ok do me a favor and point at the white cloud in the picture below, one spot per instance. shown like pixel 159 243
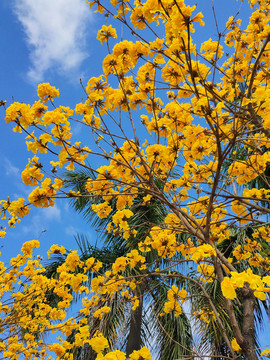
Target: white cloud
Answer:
pixel 56 34
pixel 52 213
pixel 43 220
pixel 36 228
pixel 71 231
pixel 67 206
pixel 10 169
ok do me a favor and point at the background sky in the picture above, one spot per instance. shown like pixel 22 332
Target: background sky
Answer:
pixel 41 41
pixel 55 41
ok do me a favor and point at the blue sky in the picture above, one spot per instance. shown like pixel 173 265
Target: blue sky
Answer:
pixel 55 41
pixel 52 41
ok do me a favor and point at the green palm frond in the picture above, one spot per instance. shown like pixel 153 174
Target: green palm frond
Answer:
pixel 76 181
pixel 52 265
pixel 109 326
pixel 106 254
pixel 173 333
pixel 206 326
pixel 145 215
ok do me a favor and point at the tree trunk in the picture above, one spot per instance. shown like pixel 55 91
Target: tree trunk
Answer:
pixel 248 345
pixel 134 338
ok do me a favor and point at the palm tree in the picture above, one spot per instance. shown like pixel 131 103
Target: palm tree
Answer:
pixel 124 327
pixel 211 339
pixel 131 329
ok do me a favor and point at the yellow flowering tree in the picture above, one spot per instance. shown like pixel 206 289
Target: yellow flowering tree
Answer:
pixel 170 109
pixel 127 324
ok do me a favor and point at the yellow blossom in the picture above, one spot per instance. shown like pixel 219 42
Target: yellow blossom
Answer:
pixel 235 345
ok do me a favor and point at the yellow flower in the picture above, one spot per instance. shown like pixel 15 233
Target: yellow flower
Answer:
pixel 265 352
pixel 18 208
pixel 260 295
pixel 207 271
pixel 102 210
pixel 235 345
pixel 99 313
pixel 58 349
pixel 21 113
pixel 203 251
pixel 212 49
pixel 47 92
pixel 142 354
pixel 28 246
pixel 114 355
pixel 119 264
pixel 105 33
pixel 135 303
pixel 99 343
pixel 135 259
pixel 56 249
pixel 228 289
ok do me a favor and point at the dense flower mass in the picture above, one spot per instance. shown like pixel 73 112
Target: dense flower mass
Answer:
pixel 179 126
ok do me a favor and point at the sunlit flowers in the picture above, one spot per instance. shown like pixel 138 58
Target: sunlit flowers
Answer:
pixel 105 33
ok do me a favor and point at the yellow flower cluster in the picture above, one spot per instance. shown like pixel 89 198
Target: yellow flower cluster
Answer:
pixel 98 343
pixel 164 241
pixel 47 92
pixel 266 352
pixel 259 285
pixel 105 33
pixel 203 252
pixel 142 354
pixel 248 170
pixel 207 272
pixel 205 316
pixel 100 312
pixel 43 196
pixel 119 224
pixel 28 307
pixel 175 295
pixel 56 249
pixel 102 210
pixel 112 355
pixel 212 50
pixel 32 173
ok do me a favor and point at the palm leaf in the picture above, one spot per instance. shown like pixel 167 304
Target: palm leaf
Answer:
pixel 173 334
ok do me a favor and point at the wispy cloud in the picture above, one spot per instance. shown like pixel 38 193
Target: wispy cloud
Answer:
pixel 56 34
pixel 10 169
pixel 43 220
pixel 36 228
pixel 71 230
pixel 13 174
pixel 52 213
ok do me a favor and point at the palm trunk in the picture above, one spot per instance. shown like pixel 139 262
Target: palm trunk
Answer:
pixel 245 334
pixel 248 324
pixel 134 338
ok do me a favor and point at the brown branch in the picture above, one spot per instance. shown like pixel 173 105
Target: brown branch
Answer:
pixel 256 64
